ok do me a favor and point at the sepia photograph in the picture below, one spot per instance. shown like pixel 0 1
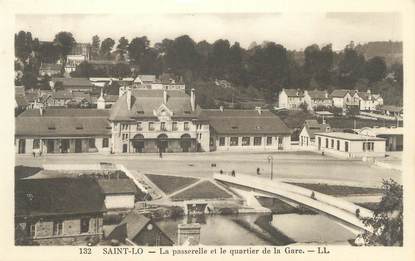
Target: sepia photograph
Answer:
pixel 209 129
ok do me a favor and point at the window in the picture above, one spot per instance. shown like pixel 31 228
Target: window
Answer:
pixel 368 146
pixel 186 126
pixel 234 141
pixel 163 126
pixel 85 225
pixel 222 141
pixel 257 141
pixel 105 143
pixel 91 143
pixel 332 143
pixel 327 143
pixel 174 126
pixel 346 146
pixel 125 136
pixel 124 126
pixel 151 126
pixel 36 144
pixel 139 126
pixel 57 227
pixel 245 141
pixel 338 145
pixel 31 229
pixel 269 141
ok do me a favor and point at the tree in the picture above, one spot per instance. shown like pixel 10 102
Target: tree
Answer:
pixel 122 48
pixel 351 67
pixel 136 48
pixel 182 57
pixel 29 80
pixel 120 70
pixel 397 69
pixel 23 45
pixel 95 46
pixel 219 58
pixel 387 220
pixel 106 48
pixel 49 53
pixel 64 41
pixel 375 69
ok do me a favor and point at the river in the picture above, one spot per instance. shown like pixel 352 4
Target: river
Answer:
pixel 257 229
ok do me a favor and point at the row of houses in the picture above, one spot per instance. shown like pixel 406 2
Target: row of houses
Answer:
pixel 149 121
pixel 341 98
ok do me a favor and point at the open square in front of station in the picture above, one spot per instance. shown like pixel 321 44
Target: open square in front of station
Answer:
pixel 306 167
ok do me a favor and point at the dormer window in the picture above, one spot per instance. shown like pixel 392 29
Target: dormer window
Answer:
pixel 234 127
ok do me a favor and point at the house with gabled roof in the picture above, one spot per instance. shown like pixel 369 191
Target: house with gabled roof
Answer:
pixel 290 98
pixel 317 98
pixel 310 128
pixel 368 101
pixel 342 98
pixel 137 229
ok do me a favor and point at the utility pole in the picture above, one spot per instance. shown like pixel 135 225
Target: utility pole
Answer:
pixel 271 162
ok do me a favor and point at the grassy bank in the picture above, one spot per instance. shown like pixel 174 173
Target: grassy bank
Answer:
pixel 338 190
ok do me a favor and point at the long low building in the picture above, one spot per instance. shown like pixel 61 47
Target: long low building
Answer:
pixel 154 121
pixel 62 131
pixel 350 145
pixel 246 130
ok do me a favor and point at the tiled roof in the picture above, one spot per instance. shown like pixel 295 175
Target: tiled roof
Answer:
pixel 339 93
pixel 313 127
pixel 57 196
pixel 147 78
pixel 144 102
pixel 294 93
pixel 117 186
pixel 244 122
pixel 63 122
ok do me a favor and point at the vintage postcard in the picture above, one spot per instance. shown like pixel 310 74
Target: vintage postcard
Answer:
pixel 208 129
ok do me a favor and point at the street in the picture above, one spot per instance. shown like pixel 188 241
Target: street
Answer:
pixel 290 166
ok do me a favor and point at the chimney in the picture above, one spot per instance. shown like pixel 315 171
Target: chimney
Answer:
pixel 129 98
pixel 193 99
pixel 164 96
pixel 221 108
pixel 188 234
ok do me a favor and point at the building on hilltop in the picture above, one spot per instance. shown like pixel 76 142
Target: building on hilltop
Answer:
pixel 290 98
pixel 317 98
pixel 367 100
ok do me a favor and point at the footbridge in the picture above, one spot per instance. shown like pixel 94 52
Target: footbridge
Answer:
pixel 338 208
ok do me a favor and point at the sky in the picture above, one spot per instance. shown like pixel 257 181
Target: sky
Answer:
pixel 293 30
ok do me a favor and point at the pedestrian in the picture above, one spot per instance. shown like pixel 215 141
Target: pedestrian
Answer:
pixel 34 154
pixel 161 154
pixel 358 212
pixel 221 171
pixel 313 195
pixel 233 173
pixel 258 171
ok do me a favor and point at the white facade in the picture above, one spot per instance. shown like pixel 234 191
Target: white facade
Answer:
pixel 122 201
pixel 250 142
pixel 369 103
pixel 349 145
pixel 290 101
